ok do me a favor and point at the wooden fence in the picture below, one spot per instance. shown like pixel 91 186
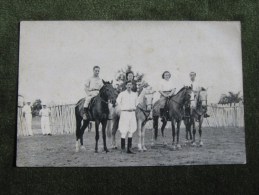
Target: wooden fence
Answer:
pixel 62 120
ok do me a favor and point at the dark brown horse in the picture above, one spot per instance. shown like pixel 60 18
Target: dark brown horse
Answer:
pixel 175 108
pixel 99 111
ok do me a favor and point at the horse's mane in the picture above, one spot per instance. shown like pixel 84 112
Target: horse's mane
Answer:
pixel 181 90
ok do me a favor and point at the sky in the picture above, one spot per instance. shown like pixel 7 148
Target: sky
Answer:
pixel 56 57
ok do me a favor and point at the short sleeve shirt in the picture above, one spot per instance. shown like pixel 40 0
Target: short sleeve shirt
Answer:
pixel 94 83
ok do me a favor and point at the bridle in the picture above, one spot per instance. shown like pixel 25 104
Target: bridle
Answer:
pixel 145 111
pixel 100 92
pixel 181 104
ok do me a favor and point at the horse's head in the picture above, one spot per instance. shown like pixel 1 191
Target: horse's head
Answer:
pixel 147 97
pixel 202 97
pixel 185 94
pixel 108 92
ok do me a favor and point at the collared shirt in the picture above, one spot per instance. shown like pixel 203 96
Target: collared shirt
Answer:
pixel 127 100
pixel 94 83
pixel 166 85
pixel 44 112
pixel 195 85
pixel 26 109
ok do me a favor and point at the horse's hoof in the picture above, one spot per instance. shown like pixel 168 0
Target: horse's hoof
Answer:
pixel 201 144
pixel 174 148
pixel 82 148
pixel 96 151
pixel 144 148
pixel 139 147
pixel 106 150
pixel 115 147
pixel 193 144
pixel 178 146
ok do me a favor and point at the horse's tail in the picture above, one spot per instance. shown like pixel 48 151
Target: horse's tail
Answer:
pixel 109 129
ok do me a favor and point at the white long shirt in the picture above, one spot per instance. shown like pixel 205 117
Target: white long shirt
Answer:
pixel 195 85
pixel 166 85
pixel 26 109
pixel 44 112
pixel 127 100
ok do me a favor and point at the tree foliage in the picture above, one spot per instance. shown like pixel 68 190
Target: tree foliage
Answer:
pixel 231 98
pixel 36 107
pixel 138 77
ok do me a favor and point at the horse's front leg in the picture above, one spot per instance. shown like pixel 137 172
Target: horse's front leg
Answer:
pixel 178 134
pixel 104 124
pixel 155 127
pixel 200 130
pixel 114 130
pixel 139 130
pixel 162 131
pixel 193 131
pixel 97 123
pixel 143 137
pixel 173 132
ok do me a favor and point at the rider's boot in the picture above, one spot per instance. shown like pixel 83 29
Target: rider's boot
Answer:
pixel 206 115
pixel 85 113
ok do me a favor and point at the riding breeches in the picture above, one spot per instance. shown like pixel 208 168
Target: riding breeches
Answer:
pixel 127 124
pixel 89 96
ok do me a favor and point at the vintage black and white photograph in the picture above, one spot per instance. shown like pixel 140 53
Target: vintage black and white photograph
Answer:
pixel 130 93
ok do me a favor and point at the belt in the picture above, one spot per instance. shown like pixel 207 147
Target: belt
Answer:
pixel 94 90
pixel 132 110
pixel 166 91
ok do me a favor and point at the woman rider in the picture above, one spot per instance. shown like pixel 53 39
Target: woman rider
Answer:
pixel 166 90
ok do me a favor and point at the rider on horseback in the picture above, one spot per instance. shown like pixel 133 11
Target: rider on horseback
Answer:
pixel 166 91
pixel 196 89
pixel 92 87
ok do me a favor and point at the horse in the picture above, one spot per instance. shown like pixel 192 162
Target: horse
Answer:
pixel 197 109
pixel 175 112
pixel 144 107
pixel 99 110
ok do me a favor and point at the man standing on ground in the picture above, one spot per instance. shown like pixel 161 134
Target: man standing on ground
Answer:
pixel 26 110
pixel 127 101
pixel 45 114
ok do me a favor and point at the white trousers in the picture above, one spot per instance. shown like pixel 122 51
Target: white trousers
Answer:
pixel 45 126
pixel 127 124
pixel 28 118
pixel 89 96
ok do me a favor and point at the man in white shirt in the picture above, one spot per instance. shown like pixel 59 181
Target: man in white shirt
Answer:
pixel 127 100
pixel 92 87
pixel 45 126
pixel 194 84
pixel 26 110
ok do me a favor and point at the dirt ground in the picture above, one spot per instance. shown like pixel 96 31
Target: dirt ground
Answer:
pixel 221 146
